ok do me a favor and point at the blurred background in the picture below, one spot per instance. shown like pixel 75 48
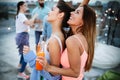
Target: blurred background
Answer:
pixel 107 13
pixel 108 34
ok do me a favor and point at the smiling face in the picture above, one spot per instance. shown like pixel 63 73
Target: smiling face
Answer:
pixel 24 7
pixel 76 17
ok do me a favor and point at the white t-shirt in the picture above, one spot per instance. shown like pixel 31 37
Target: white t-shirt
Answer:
pixel 20 26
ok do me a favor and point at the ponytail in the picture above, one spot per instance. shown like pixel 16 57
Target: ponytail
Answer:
pixel 18 6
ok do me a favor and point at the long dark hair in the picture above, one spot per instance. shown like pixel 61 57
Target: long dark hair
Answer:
pixel 64 7
pixel 89 31
pixel 18 6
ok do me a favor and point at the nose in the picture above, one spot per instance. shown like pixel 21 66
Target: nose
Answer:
pixel 72 12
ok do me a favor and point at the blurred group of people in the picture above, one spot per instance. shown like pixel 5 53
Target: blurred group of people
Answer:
pixel 23 24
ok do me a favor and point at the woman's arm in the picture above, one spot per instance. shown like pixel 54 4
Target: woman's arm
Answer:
pixel 29 56
pixel 85 2
pixel 31 21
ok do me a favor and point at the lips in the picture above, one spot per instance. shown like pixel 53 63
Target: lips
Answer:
pixel 70 18
pixel 48 14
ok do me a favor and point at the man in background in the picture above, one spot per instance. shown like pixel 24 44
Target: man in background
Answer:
pixel 42 10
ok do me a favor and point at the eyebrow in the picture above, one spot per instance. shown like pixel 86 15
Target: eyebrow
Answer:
pixel 78 10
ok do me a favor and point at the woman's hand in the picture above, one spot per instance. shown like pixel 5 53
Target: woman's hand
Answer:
pixel 42 60
pixel 84 2
pixel 26 49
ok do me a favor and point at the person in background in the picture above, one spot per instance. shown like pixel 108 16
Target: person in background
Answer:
pixel 58 18
pixel 22 37
pixel 47 29
pixel 75 60
pixel 42 10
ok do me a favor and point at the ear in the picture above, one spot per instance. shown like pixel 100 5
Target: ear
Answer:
pixel 21 6
pixel 61 15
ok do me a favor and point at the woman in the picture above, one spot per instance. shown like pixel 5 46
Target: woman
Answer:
pixel 22 36
pixel 58 18
pixel 79 52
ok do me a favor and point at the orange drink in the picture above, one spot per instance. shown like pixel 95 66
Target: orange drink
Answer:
pixel 40 52
pixel 38 65
pixel 38 48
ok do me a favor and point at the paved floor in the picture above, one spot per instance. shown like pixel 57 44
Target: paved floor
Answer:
pixel 9 57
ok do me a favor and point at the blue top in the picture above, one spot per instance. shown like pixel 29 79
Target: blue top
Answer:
pixel 47 28
pixel 42 12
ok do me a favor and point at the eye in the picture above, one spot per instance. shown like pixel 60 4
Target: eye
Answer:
pixel 77 12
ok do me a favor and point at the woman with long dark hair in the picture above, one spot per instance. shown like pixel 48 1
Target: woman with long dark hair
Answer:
pixel 58 18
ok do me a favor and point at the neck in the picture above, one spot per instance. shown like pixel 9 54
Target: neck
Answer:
pixel 74 29
pixel 21 11
pixel 56 27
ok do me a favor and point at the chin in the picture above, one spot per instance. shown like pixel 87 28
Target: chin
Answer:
pixel 49 20
pixel 69 22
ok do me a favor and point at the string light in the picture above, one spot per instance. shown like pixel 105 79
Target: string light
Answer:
pixel 113 11
pixel 106 11
pixel 97 25
pixel 116 19
pixel 109 9
pixel 101 20
pixel 106 26
pixel 105 34
pixel 105 14
pixel 9 28
pixel 109 17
